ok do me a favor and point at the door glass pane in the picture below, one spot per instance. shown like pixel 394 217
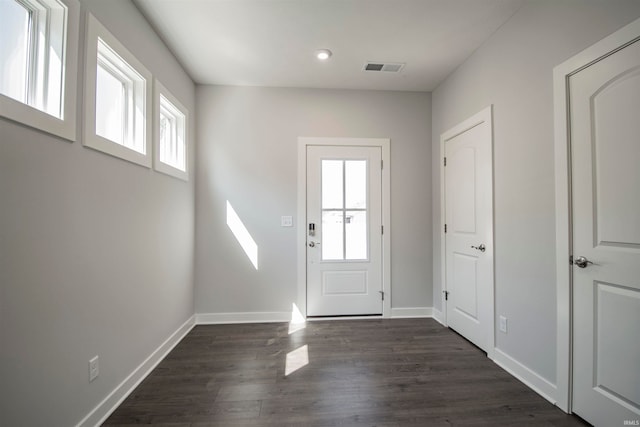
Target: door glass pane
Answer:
pixel 332 180
pixel 356 234
pixel 14 49
pixel 110 104
pixel 332 235
pixel 356 184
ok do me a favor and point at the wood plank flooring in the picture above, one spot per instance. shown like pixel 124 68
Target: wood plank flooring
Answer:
pixel 374 372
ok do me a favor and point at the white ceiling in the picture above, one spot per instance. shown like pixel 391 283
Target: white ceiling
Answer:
pixel 271 42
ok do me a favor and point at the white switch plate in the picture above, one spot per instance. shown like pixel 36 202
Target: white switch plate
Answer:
pixel 94 369
pixel 286 221
pixel 503 324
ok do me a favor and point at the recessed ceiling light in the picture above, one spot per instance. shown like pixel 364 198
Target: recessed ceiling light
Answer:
pixel 323 54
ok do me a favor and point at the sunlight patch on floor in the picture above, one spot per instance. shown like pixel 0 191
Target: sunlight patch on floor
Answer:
pixel 296 359
pixel 298 321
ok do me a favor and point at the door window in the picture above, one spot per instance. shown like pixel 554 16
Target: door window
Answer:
pixel 344 210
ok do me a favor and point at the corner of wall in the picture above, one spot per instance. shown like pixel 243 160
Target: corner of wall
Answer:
pixel 110 403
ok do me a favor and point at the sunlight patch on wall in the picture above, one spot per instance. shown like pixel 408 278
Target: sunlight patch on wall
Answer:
pixel 298 321
pixel 242 235
pixel 296 359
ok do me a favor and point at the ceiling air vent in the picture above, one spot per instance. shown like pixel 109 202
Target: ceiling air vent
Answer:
pixel 389 67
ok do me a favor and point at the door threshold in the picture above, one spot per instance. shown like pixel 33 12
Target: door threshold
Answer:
pixel 345 317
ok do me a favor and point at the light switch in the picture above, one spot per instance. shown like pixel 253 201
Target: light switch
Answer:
pixel 286 221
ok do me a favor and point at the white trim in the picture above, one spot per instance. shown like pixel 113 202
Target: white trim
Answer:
pixel 385 145
pixel 561 74
pixel 94 30
pixel 411 312
pixel 323 318
pixel 284 316
pixel 110 403
pixel 437 316
pixel 32 117
pixel 484 116
pixel 443 237
pixel 158 89
pixel 247 317
pixel 531 379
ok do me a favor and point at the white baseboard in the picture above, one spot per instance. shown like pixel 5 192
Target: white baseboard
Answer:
pixel 249 317
pixel 531 379
pixel 101 412
pixel 438 317
pixel 407 312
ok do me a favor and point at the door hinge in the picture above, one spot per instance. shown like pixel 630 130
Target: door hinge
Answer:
pixel 446 295
pixel 382 294
pixel 381 164
pixel 445 161
pixel 382 229
pixel 445 228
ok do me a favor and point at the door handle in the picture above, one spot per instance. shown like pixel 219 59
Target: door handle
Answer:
pixel 481 248
pixel 582 262
pixel 313 244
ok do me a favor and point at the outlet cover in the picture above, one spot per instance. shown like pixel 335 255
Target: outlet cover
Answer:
pixel 286 221
pixel 94 369
pixel 503 324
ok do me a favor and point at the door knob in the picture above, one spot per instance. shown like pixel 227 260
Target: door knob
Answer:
pixel 313 244
pixel 481 248
pixel 582 262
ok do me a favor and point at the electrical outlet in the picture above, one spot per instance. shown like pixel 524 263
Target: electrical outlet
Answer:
pixel 94 369
pixel 503 324
pixel 286 221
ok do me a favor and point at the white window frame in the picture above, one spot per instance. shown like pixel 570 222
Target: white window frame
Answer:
pixel 134 86
pixel 161 90
pixel 96 31
pixel 65 125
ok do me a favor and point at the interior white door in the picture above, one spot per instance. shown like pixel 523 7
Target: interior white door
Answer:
pixel 469 230
pixel 344 230
pixel 605 152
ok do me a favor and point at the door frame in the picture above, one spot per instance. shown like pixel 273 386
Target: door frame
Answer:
pixel 484 116
pixel 385 146
pixel 562 147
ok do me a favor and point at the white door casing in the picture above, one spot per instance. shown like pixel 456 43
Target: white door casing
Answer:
pixel 605 153
pixel 597 150
pixel 329 286
pixel 467 191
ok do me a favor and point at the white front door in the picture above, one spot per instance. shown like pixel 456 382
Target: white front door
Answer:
pixel 344 230
pixel 469 229
pixel 605 153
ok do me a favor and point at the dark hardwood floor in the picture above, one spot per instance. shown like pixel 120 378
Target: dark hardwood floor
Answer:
pixel 375 372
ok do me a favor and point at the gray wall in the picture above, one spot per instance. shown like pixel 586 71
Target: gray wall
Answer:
pixel 247 154
pixel 513 71
pixel 96 254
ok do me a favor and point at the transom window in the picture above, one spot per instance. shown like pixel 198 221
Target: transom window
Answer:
pixel 119 100
pixel 171 126
pixel 172 135
pixel 344 210
pixel 32 53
